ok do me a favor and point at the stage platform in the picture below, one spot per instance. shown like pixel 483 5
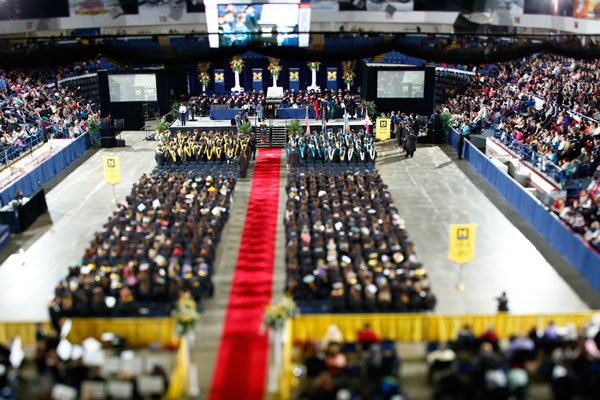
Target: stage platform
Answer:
pixel 207 123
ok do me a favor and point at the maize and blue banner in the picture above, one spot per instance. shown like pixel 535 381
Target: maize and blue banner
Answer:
pixel 295 79
pixel 331 78
pixel 257 79
pixel 219 80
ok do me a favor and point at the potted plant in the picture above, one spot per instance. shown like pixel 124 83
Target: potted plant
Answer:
pixel 91 126
pixel 446 121
pixel 371 108
pixel 245 127
pixel 161 128
pixel 294 127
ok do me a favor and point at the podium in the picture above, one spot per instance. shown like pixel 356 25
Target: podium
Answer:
pixel 273 100
pixel 271 108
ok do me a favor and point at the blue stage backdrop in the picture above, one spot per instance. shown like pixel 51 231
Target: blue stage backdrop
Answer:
pixel 331 78
pixel 219 80
pixel 257 79
pixel 294 79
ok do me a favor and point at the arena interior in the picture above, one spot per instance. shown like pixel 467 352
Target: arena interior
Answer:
pixel 300 199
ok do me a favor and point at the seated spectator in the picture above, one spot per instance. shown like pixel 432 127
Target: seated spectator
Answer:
pixel 367 336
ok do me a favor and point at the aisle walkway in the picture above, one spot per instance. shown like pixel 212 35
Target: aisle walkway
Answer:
pixel 242 361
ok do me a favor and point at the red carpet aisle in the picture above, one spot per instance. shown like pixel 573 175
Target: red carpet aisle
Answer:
pixel 241 366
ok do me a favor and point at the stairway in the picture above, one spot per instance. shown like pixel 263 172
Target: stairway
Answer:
pixel 278 136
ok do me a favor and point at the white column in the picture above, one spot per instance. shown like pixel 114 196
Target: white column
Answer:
pixel 313 85
pixel 203 88
pixel 237 87
pixel 274 81
pixel 276 364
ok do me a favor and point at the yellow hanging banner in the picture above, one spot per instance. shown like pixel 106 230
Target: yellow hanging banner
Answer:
pixel 112 171
pixel 383 127
pixel 462 243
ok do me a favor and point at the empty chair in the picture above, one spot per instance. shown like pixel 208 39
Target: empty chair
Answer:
pixel 148 385
pixel 93 390
pixel 63 392
pixel 120 389
pixel 111 366
pixel 153 361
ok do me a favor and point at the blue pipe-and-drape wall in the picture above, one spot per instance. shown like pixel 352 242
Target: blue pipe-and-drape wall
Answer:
pixel 578 252
pixel 252 65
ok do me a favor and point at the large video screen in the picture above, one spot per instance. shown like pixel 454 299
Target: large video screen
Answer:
pixel 266 22
pixel 243 23
pixel 401 84
pixel 134 87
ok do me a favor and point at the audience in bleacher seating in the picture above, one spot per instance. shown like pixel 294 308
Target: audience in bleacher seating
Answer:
pixel 550 104
pixel 485 368
pixel 334 369
pixel 33 110
pixel 333 147
pixel 186 147
pixel 161 241
pixel 347 249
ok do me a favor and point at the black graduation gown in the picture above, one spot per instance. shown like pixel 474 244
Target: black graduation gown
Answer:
pixel 242 166
pixel 160 158
pixel 411 143
pixel 294 159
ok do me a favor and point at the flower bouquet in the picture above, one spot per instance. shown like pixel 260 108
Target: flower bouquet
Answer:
pixel 236 64
pixel 348 77
pixel 313 65
pixel 277 314
pixel 275 70
pixel 204 78
pixel 186 316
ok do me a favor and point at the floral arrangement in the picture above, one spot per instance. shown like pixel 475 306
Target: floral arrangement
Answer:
pixel 348 77
pixel 276 314
pixel 236 64
pixel 274 69
pixel 314 65
pixel 204 78
pixel 185 315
